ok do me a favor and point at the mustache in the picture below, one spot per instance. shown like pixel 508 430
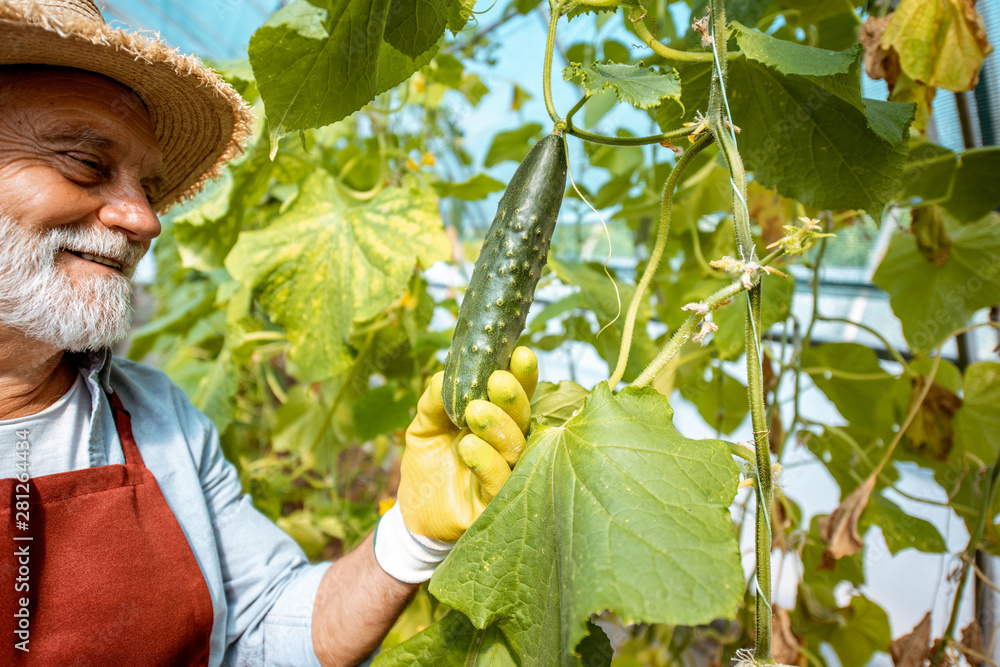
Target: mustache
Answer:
pixel 102 242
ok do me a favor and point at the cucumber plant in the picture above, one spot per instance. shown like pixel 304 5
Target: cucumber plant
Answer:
pixel 291 312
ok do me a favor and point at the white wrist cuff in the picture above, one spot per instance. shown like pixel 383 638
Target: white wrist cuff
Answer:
pixel 403 555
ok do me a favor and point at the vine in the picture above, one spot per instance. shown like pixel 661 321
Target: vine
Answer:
pixel 654 258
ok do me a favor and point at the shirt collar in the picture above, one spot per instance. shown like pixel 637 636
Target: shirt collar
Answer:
pixel 95 365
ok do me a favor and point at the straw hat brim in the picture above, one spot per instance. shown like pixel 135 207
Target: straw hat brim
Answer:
pixel 200 120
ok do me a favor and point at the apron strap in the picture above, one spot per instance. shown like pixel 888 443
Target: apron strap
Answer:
pixel 123 422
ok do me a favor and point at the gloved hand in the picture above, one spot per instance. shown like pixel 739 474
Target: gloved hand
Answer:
pixel 449 475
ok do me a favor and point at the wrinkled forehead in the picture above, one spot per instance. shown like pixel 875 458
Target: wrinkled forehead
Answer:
pixel 58 101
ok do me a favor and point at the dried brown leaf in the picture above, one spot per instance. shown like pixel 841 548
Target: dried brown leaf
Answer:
pixel 776 434
pixel 784 643
pixel 880 63
pixel 945 659
pixel 912 650
pixel 781 522
pixel 839 530
pixel 972 643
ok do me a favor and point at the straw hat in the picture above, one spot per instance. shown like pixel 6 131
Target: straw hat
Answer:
pixel 200 121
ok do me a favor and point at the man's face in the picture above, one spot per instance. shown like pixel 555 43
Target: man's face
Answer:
pixel 79 166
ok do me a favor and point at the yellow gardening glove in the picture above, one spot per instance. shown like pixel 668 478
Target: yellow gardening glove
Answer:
pixel 449 475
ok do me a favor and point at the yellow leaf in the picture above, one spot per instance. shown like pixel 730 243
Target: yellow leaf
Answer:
pixel 941 43
pixel 771 211
pixel 882 62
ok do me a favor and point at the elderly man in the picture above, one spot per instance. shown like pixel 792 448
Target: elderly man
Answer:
pixel 126 537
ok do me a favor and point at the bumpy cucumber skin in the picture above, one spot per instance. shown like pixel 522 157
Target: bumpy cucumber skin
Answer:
pixel 502 287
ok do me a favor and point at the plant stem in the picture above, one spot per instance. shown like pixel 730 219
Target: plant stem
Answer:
pixel 721 127
pixel 576 107
pixel 765 481
pixel 805 342
pixel 970 556
pixel 892 350
pixel 627 141
pixel 687 329
pixel 550 45
pixel 741 451
pixel 654 258
pixel 660 49
pixel 844 375
pixel 913 412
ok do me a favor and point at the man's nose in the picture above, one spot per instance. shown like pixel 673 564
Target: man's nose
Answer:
pixel 127 210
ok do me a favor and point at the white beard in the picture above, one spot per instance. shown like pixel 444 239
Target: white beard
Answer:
pixel 41 301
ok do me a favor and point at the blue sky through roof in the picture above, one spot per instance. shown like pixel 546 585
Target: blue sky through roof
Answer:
pixel 214 29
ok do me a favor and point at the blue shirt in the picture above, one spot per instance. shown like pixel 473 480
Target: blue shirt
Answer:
pixel 261 583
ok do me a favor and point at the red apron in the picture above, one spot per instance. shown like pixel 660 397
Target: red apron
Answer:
pixel 107 577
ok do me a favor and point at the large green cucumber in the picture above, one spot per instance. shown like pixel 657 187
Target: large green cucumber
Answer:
pixel 502 287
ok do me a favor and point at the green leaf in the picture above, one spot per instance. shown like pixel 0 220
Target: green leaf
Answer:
pixel 206 235
pixel 302 423
pixel 865 632
pixel 928 175
pixel 819 583
pixel 828 148
pixel 549 550
pixel 451 642
pixel 324 263
pixel 744 11
pixel 217 391
pixel 318 61
pixel 962 183
pixel 697 78
pixel 474 189
pixel 595 649
pixel 850 454
pixel 512 144
pixel 554 310
pixel 188 303
pixel 413 26
pixel 977 422
pixel 791 58
pixel 601 298
pixel 721 400
pixel 900 530
pixel 395 67
pixel 932 301
pixel 583 8
pixel 976 190
pixel 381 410
pixel 814 11
pixel 524 6
pixel 638 85
pixel 554 405
pixel 866 403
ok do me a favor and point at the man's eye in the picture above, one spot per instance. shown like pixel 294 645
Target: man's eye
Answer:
pixel 88 161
